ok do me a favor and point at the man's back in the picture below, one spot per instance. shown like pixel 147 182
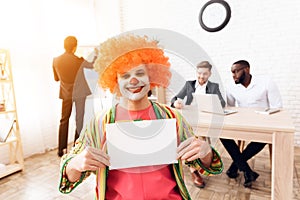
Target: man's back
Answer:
pixel 66 67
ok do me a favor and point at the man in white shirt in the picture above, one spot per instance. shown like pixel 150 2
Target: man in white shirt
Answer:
pixel 201 86
pixel 248 91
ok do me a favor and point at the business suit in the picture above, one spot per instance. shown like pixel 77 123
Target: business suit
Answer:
pixel 68 69
pixel 190 87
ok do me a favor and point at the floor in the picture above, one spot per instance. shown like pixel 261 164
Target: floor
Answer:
pixel 40 180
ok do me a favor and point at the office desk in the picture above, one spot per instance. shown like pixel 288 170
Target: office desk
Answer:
pixel 277 129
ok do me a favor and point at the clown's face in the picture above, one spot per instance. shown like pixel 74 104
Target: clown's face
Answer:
pixel 134 84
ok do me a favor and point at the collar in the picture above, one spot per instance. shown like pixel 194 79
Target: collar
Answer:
pixel 253 82
pixel 200 86
pixel 159 111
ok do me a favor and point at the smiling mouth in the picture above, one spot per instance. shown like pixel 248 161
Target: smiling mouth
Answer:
pixel 135 89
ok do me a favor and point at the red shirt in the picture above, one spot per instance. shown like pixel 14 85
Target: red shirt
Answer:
pixel 150 182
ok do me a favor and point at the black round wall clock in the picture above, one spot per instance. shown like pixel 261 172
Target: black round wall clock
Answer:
pixel 214 15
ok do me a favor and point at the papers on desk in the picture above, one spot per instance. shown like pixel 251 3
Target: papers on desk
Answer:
pixel 141 143
pixel 268 111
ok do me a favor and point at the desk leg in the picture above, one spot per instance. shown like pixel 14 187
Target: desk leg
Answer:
pixel 282 166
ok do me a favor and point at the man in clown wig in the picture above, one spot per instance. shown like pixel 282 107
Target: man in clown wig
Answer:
pixel 129 66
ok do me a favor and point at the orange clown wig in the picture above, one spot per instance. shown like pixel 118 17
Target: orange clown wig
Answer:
pixel 120 54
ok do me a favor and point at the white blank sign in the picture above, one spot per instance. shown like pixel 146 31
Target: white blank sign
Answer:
pixel 141 143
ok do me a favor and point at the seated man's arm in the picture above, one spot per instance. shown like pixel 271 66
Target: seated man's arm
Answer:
pixel 223 103
pixel 274 96
pixel 182 93
pixel 230 99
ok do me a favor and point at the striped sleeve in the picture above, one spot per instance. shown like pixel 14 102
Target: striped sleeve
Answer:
pixel 89 137
pixel 216 166
pixel 185 131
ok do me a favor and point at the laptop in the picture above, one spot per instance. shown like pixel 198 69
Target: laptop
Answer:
pixel 210 103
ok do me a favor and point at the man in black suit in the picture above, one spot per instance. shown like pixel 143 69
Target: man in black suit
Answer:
pixel 201 85
pixel 68 69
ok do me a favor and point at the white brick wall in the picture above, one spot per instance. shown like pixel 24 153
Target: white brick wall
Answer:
pixel 265 33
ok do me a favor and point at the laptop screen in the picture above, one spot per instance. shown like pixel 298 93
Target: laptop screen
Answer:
pixel 208 103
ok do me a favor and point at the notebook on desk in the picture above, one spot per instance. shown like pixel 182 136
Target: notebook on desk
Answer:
pixel 210 103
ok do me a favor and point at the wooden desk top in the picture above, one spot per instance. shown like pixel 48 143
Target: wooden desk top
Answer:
pixel 246 119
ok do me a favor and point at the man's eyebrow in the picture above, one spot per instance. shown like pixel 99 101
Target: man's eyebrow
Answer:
pixel 140 70
pixel 126 73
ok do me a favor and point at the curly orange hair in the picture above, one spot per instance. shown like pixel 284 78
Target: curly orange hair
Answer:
pixel 120 54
